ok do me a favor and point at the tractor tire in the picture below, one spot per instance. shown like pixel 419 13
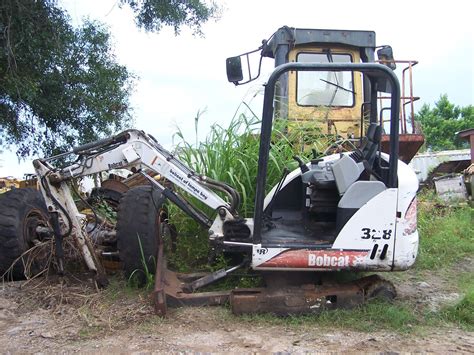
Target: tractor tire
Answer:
pixel 21 211
pixel 140 215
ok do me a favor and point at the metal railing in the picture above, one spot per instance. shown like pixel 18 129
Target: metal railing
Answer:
pixel 407 99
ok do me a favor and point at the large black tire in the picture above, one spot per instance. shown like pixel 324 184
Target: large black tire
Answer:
pixel 21 211
pixel 139 218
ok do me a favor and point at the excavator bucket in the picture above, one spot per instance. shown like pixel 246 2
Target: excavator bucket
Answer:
pixel 409 145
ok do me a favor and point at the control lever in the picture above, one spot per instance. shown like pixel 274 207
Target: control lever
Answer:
pixel 301 165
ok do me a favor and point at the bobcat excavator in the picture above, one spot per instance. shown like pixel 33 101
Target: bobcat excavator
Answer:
pixel 353 211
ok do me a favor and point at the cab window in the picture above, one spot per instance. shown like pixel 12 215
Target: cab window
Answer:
pixel 324 88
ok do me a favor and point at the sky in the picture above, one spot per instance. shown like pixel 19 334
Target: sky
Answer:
pixel 179 76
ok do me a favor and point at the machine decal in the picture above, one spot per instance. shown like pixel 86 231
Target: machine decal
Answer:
pixel 117 165
pixel 319 259
pixel 369 233
pixel 191 187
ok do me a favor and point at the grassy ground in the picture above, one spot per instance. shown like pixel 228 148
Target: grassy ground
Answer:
pixel 446 232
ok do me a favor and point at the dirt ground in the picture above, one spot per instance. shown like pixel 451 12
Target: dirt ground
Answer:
pixel 50 316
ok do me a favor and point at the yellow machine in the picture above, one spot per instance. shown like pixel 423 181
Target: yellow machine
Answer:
pixel 331 104
pixel 8 183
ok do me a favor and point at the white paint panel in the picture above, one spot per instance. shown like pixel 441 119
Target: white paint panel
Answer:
pixel 373 223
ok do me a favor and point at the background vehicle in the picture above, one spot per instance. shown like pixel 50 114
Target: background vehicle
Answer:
pixel 9 182
pixel 303 98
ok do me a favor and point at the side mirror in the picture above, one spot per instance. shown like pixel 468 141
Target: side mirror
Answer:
pixel 234 69
pixel 385 55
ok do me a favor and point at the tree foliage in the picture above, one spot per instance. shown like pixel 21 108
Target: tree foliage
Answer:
pixel 440 124
pixel 152 15
pixel 59 86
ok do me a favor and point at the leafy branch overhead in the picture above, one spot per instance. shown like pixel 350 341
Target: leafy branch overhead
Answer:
pixel 152 15
pixel 59 86
pixel 62 86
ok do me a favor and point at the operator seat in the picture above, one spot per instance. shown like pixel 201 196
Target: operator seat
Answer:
pixel 368 149
pixel 349 168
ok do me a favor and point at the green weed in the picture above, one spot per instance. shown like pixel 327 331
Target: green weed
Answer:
pixel 465 281
pixel 106 211
pixel 446 233
pixel 152 323
pixel 230 154
pixel 148 276
pixel 88 332
pixel 461 313
pixel 119 288
pixel 245 279
pixel 372 316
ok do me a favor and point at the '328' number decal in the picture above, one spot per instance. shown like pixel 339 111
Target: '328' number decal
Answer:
pixel 369 233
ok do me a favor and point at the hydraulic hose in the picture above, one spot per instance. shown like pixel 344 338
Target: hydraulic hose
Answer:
pixel 234 195
pixel 231 190
pixel 221 189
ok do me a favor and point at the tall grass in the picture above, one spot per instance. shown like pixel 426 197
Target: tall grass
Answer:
pixel 143 277
pixel 228 154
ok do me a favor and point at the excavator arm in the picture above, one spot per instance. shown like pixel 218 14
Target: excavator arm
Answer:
pixel 132 150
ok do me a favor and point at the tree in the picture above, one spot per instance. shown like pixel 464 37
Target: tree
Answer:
pixel 440 124
pixel 152 15
pixel 59 86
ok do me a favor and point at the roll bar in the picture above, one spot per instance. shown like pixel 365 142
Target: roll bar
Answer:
pixel 374 72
